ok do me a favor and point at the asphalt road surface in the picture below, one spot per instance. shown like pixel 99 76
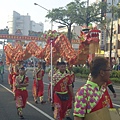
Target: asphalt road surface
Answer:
pixel 35 111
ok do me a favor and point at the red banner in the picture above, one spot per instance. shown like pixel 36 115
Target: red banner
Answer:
pixel 15 37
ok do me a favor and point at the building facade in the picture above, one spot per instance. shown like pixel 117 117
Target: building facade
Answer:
pixel 23 23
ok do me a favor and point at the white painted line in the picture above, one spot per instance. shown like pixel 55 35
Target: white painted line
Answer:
pixel 6 88
pixel 37 109
pixel 116 105
pixel 46 83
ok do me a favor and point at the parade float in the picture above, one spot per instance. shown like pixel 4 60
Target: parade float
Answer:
pixel 61 47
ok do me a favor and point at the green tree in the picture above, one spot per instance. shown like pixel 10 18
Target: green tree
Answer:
pixel 90 13
pixel 76 12
pixel 65 16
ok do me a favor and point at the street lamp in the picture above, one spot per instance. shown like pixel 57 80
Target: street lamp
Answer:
pixel 41 7
pixel 47 11
pixel 51 42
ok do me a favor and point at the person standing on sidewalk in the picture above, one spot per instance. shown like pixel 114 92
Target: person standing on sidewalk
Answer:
pixel 91 97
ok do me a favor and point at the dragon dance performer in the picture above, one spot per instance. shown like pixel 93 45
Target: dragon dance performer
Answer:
pixel 49 78
pixel 13 72
pixel 91 101
pixel 38 86
pixel 49 86
pixel 111 88
pixel 21 94
pixel 72 77
pixel 10 75
pixel 14 75
pixel 61 85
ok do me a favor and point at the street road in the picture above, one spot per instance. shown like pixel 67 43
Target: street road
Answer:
pixel 35 111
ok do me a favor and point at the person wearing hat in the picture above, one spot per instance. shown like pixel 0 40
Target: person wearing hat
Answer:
pixel 21 93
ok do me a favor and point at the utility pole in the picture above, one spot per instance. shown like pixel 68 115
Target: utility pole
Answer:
pixel 116 45
pixel 110 57
pixel 87 21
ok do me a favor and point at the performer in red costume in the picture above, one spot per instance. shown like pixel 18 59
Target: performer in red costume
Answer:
pixel 61 85
pixel 72 77
pixel 15 74
pixel 49 86
pixel 10 75
pixel 21 93
pixel 38 87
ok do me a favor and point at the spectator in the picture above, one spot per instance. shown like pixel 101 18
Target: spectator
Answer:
pixel 1 70
pixel 92 97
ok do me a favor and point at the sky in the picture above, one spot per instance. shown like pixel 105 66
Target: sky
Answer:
pixel 27 6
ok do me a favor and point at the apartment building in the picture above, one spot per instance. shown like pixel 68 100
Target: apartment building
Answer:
pixel 16 21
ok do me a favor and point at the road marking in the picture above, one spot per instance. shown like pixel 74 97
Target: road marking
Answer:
pixel 116 105
pixel 46 83
pixel 37 109
pixel 40 111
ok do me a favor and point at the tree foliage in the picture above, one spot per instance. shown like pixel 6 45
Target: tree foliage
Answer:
pixel 77 12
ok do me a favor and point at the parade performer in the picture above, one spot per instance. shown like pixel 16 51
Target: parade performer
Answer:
pixel 71 73
pixel 10 75
pixel 19 65
pixel 72 77
pixel 49 86
pixel 21 93
pixel 49 78
pixel 61 85
pixel 110 86
pixel 14 75
pixel 38 87
pixel 91 101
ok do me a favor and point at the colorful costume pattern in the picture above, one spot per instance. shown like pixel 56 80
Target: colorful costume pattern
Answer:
pixel 61 82
pixel 106 92
pixel 21 94
pixel 14 79
pixel 38 87
pixel 10 77
pixel 90 98
pixel 72 77
pixel 49 86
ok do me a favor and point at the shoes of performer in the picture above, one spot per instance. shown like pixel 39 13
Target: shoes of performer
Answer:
pixel 20 114
pixel 21 117
pixel 68 118
pixel 36 102
pixel 11 87
pixel 52 108
pixel 43 102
